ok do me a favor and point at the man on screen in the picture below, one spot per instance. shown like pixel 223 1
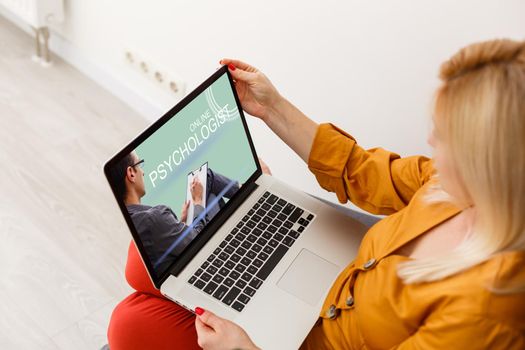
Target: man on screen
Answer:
pixel 158 226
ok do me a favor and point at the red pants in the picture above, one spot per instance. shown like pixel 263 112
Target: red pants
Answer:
pixel 147 320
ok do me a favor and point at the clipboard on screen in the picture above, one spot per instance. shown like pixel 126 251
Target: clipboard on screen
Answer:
pixel 202 174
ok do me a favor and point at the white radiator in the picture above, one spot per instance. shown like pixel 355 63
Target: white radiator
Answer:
pixel 39 14
pixel 36 13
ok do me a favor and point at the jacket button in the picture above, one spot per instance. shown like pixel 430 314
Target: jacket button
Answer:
pixel 369 264
pixel 350 301
pixel 331 313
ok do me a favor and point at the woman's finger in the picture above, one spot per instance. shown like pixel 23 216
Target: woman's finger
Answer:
pixel 202 328
pixel 238 64
pixel 210 319
pixel 203 332
pixel 241 75
pixel 264 167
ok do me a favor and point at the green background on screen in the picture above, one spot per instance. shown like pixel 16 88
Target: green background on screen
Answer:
pixel 226 150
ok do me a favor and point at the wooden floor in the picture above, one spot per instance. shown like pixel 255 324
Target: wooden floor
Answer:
pixel 63 243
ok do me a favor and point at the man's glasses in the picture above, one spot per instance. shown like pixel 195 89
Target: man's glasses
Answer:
pixel 140 164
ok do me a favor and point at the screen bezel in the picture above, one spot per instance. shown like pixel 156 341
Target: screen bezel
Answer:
pixel 211 227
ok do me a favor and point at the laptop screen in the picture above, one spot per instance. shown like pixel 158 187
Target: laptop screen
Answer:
pixel 179 176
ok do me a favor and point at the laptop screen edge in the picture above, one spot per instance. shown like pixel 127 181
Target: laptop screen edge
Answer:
pixel 178 265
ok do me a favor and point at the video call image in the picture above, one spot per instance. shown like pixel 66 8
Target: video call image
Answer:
pixel 185 172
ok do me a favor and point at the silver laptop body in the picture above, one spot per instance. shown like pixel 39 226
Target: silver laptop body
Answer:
pixel 284 306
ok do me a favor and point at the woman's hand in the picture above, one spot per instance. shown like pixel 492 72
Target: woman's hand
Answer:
pixel 264 167
pixel 261 99
pixel 257 94
pixel 216 333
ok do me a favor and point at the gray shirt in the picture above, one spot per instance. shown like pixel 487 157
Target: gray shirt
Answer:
pixel 159 227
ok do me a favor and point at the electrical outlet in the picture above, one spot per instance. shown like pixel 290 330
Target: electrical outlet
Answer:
pixel 129 57
pixel 144 67
pixel 174 87
pixel 160 76
pixel 173 83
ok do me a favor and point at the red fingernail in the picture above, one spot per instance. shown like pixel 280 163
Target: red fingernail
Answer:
pixel 199 311
pixel 231 66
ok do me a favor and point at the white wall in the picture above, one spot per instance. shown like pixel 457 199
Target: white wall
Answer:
pixel 368 66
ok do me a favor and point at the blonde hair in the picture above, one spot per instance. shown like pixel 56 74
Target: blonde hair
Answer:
pixel 481 106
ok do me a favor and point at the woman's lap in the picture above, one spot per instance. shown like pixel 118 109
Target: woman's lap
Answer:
pixel 144 321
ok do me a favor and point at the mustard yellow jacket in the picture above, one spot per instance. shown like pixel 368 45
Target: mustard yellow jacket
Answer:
pixel 368 306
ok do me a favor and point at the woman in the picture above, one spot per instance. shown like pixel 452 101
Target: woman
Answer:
pixel 445 268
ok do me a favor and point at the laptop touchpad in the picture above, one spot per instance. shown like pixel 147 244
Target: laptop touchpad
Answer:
pixel 308 277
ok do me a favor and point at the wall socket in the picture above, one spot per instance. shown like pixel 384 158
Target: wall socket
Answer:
pixel 166 80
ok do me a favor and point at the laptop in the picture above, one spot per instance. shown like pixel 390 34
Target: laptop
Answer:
pixel 258 252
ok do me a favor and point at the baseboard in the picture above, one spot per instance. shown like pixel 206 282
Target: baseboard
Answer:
pixel 61 47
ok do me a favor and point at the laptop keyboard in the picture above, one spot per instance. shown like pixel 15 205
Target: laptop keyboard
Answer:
pixel 245 258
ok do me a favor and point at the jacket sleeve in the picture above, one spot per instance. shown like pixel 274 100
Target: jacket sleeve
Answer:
pixel 375 180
